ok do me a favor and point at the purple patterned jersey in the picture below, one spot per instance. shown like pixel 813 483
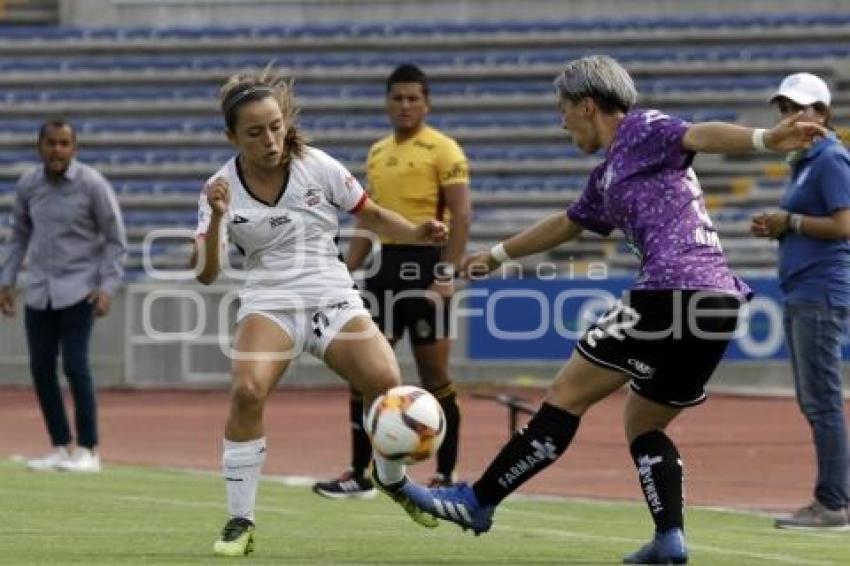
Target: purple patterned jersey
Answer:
pixel 646 188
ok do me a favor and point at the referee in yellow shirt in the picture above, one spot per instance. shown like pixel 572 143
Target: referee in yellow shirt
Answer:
pixel 420 173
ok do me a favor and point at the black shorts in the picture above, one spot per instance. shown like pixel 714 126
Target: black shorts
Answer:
pixel 669 342
pixel 394 294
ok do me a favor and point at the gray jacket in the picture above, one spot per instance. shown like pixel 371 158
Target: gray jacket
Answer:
pixel 74 232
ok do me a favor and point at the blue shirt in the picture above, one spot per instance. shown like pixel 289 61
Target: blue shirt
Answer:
pixel 812 269
pixel 74 232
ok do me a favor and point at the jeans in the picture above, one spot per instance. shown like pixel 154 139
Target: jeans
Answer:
pixel 813 333
pixel 71 329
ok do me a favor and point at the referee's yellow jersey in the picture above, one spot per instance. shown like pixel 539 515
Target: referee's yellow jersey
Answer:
pixel 407 177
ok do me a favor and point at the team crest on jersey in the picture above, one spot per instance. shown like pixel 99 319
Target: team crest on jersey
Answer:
pixel 311 197
pixel 276 221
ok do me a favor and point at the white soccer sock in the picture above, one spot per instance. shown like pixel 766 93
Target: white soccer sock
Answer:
pixel 241 465
pixel 389 472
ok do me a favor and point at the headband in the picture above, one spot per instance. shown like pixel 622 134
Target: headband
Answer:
pixel 231 101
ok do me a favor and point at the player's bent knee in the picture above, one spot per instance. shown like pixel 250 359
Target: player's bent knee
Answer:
pixel 247 393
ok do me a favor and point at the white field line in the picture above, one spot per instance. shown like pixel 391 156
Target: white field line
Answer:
pixel 306 481
pixel 221 506
pixel 557 533
pixel 750 509
pixel 805 536
pixel 778 558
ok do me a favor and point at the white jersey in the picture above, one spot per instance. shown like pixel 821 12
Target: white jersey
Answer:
pixel 291 256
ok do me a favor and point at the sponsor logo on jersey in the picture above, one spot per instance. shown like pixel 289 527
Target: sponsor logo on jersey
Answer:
pixel 276 221
pixel 420 143
pixel 458 170
pixel 239 219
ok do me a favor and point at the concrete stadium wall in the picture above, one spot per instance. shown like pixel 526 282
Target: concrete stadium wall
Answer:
pixel 107 352
pixel 222 12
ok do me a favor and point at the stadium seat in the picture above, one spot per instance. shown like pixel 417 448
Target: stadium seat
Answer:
pixel 142 149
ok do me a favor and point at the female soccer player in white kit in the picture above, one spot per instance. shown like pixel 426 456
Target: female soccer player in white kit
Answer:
pixel 277 201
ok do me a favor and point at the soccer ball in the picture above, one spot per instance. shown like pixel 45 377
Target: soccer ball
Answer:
pixel 406 424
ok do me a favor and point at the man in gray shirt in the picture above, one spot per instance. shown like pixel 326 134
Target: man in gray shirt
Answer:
pixel 67 214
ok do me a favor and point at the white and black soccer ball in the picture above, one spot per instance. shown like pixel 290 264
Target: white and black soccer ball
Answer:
pixel 406 424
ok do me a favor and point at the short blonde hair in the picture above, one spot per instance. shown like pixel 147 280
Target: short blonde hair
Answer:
pixel 601 78
pixel 250 86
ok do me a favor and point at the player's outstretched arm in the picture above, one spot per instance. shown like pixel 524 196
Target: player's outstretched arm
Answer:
pixel 788 134
pixel 393 225
pixel 543 235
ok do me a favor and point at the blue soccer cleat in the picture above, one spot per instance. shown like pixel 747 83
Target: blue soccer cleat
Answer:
pixel 666 548
pixel 457 504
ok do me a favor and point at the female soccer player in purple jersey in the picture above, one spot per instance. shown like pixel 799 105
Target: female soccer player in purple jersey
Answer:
pixel 667 334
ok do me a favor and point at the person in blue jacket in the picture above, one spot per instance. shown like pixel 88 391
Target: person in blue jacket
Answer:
pixel 813 230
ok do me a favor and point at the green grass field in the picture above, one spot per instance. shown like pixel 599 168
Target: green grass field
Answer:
pixel 132 515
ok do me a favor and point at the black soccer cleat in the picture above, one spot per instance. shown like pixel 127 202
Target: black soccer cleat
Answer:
pixel 347 485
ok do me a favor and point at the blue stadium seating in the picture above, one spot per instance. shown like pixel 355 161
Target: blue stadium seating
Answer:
pixel 424 29
pixel 376 121
pixel 376 91
pixel 160 218
pixel 369 120
pixel 428 59
pixel 515 183
pixel 153 187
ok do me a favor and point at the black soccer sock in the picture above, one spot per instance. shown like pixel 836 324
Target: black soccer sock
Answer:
pixel 447 454
pixel 529 451
pixel 661 476
pixel 361 448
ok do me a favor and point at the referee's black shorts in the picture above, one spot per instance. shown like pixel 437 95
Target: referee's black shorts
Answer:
pixel 395 296
pixel 669 342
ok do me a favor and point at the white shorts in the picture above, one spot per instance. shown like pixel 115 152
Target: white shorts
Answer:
pixel 311 330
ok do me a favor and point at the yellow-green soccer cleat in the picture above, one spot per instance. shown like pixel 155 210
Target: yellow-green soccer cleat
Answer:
pixel 418 515
pixel 237 538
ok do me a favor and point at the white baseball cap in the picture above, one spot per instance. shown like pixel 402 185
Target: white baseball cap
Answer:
pixel 803 89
